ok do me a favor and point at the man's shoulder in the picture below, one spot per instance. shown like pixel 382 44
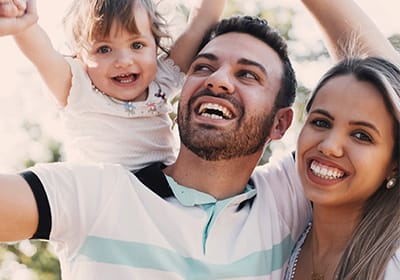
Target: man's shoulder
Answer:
pixel 279 167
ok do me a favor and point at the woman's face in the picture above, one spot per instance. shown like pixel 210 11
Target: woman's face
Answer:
pixel 345 146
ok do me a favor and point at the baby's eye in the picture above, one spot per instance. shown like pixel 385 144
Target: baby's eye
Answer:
pixel 104 49
pixel 321 123
pixel 137 45
pixel 362 136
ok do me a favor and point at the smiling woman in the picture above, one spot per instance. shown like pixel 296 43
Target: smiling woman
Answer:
pixel 348 159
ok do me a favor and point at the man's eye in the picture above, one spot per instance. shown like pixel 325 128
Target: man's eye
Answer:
pixel 104 49
pixel 137 46
pixel 201 68
pixel 321 123
pixel 249 75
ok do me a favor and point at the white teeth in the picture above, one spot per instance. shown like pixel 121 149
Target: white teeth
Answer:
pixel 325 172
pixel 214 111
pixel 125 78
pixel 126 81
pixel 214 117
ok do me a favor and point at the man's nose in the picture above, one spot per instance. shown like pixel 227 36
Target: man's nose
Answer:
pixel 221 81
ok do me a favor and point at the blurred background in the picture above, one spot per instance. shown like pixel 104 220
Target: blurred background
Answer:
pixel 31 131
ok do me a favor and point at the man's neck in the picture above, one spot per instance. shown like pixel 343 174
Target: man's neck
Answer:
pixel 221 179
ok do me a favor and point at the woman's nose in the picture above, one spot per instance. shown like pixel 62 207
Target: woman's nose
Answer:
pixel 332 145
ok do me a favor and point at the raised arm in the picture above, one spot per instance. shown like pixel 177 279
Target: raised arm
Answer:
pixel 52 66
pixel 202 18
pixel 344 21
pixel 18 211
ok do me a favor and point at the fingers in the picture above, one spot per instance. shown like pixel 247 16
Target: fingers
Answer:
pixel 8 8
pixel 14 25
pixel 20 4
pixel 31 7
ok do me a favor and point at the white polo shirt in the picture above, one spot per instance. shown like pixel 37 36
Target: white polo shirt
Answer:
pixel 107 223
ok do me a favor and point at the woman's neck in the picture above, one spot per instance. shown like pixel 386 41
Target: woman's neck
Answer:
pixel 331 231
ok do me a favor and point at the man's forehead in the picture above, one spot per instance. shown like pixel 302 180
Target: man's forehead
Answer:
pixel 239 44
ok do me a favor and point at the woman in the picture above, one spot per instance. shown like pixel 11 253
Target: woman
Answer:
pixel 348 160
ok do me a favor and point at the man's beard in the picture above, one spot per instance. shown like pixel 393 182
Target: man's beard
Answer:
pixel 211 143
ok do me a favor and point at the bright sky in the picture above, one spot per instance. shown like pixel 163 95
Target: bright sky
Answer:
pixel 16 71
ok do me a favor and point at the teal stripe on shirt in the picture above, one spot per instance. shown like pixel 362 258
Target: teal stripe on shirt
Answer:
pixel 148 256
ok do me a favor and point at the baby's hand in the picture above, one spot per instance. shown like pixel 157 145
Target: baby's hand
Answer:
pixel 12 8
pixel 10 22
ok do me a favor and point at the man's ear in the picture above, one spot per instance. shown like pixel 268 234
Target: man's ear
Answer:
pixel 282 121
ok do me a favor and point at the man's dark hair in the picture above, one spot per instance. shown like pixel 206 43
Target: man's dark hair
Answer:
pixel 259 28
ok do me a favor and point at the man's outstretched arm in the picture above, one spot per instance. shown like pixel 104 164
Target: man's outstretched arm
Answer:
pixel 18 210
pixel 348 30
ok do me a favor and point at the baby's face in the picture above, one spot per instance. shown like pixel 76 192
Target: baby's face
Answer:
pixel 122 65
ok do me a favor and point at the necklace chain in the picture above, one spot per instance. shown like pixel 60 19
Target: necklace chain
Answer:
pixel 128 105
pixel 314 275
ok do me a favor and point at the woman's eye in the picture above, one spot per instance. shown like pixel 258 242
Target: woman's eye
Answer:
pixel 104 49
pixel 321 123
pixel 362 136
pixel 137 46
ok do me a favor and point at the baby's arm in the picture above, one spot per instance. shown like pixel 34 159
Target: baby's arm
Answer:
pixel 52 66
pixel 344 21
pixel 202 19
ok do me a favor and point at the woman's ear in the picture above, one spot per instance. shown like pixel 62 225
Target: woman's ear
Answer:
pixel 282 121
pixel 393 172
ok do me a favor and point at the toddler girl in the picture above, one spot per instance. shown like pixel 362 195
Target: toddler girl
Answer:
pixel 115 90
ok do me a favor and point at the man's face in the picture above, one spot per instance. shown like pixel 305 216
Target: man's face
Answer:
pixel 225 110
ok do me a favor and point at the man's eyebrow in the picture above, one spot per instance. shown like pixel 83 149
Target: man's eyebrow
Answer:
pixel 209 56
pixel 245 61
pixel 242 61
